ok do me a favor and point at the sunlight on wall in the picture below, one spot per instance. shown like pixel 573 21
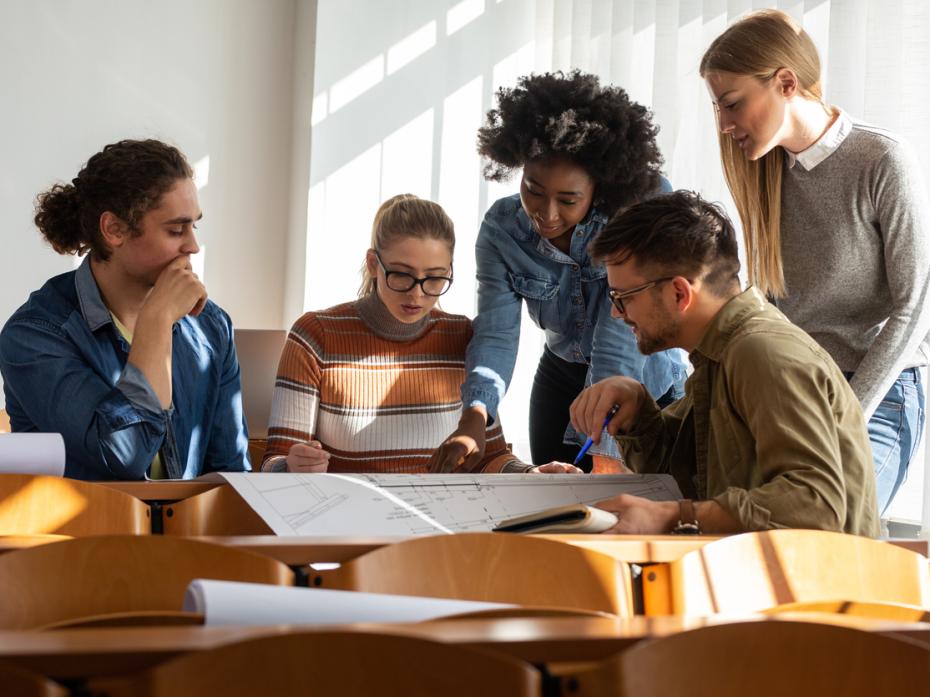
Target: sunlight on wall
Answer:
pixel 341 206
pixel 514 65
pixel 406 159
pixel 407 49
pixel 356 83
pixel 462 14
pixel 318 109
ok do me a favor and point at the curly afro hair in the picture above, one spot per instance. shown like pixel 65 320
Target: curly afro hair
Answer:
pixel 572 116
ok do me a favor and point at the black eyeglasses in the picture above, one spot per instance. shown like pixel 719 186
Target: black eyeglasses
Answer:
pixel 403 282
pixel 617 297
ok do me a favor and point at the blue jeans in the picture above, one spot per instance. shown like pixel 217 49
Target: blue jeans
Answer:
pixel 894 431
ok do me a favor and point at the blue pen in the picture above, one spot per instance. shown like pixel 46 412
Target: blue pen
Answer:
pixel 588 443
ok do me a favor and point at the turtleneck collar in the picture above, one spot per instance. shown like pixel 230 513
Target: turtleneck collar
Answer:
pixel 381 322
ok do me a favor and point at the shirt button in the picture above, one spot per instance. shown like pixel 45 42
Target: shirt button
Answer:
pixel 579 325
pixel 575 267
pixel 578 233
pixel 577 301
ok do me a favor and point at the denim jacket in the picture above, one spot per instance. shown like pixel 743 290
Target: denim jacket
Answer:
pixel 65 371
pixel 566 296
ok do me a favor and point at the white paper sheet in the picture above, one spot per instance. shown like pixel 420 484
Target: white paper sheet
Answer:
pixel 32 453
pixel 230 602
pixel 425 504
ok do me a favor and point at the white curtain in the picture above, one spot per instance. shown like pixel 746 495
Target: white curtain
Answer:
pixel 420 74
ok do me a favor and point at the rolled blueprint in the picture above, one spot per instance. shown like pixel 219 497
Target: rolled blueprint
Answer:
pixel 32 453
pixel 230 602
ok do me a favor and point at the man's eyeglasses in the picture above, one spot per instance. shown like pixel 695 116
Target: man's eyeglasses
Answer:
pixel 617 297
pixel 403 282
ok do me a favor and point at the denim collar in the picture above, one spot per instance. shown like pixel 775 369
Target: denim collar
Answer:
pixel 592 222
pixel 94 310
pixel 825 146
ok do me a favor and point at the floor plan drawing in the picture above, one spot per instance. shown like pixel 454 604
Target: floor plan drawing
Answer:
pixel 424 504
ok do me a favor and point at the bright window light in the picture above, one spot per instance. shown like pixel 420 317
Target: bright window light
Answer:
pixel 318 109
pixel 408 48
pixel 463 13
pixel 356 83
pixel 407 158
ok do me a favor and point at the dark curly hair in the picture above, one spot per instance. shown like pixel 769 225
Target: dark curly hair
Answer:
pixel 556 115
pixel 127 178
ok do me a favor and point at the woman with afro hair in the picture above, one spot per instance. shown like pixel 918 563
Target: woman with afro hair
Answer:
pixel 583 152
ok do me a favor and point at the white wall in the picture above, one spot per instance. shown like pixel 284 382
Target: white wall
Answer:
pixel 214 77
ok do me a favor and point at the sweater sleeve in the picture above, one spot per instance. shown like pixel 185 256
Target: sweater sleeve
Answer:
pixel 899 195
pixel 296 400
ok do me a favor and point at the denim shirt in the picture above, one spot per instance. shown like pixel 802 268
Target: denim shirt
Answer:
pixel 65 371
pixel 566 296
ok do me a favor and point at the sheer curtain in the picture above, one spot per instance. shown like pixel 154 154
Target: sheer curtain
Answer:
pixel 396 109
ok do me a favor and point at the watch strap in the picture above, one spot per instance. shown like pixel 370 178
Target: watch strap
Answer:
pixel 687 519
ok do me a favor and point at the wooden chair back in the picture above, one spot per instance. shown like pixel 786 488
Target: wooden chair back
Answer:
pixel 755 571
pixel 494 567
pixel 23 683
pixel 763 659
pixel 4 421
pixel 219 511
pixel 39 505
pixel 91 576
pixel 332 663
pixel 896 612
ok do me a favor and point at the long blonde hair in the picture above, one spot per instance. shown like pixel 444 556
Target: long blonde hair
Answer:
pixel 759 45
pixel 406 215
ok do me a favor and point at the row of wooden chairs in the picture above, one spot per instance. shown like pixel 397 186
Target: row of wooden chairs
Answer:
pixel 744 574
pixel 765 659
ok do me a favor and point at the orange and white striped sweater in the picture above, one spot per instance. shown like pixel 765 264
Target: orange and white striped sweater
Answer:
pixel 380 395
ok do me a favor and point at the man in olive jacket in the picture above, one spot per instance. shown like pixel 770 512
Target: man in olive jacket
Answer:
pixel 769 433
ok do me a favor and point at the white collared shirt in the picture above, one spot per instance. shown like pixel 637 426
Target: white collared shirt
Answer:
pixel 825 146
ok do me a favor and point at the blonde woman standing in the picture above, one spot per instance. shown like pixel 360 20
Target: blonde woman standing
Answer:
pixel 836 223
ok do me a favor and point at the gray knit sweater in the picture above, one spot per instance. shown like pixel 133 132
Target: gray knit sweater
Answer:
pixel 855 225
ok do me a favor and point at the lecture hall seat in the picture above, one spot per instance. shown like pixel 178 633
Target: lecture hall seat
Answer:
pixel 356 664
pixel 41 505
pixel 754 572
pixel 85 579
pixel 495 567
pixel 763 659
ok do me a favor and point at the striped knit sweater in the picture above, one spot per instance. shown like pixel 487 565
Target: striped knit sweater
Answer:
pixel 378 394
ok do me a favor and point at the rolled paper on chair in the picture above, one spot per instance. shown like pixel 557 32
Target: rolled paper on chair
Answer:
pixel 32 453
pixel 231 602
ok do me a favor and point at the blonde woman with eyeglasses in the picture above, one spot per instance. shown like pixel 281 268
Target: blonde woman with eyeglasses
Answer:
pixel 373 385
pixel 836 224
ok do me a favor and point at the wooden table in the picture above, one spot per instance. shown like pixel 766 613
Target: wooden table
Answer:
pixel 75 654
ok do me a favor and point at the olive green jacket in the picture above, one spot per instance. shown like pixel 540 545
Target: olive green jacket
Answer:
pixel 768 428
